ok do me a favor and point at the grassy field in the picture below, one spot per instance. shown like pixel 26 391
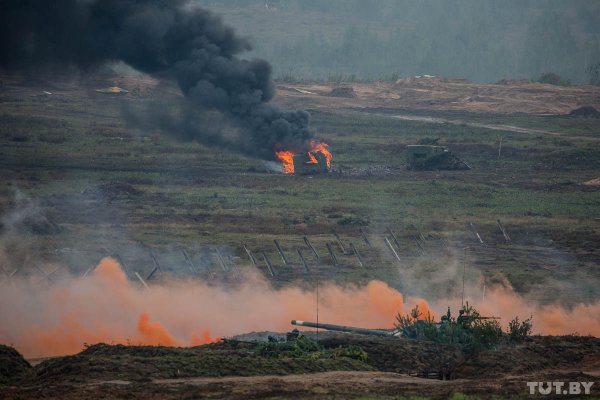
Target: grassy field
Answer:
pixel 109 188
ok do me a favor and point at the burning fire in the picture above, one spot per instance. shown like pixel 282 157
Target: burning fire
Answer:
pixel 287 157
pixel 287 161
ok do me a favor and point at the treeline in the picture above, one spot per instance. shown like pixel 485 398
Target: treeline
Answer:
pixel 481 40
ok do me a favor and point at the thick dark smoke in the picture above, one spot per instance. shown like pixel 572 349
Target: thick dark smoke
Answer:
pixel 167 39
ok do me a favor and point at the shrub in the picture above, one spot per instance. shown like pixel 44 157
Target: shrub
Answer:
pixel 519 330
pixel 352 351
pixel 594 74
pixel 353 220
pixel 307 348
pixel 553 79
pixel 470 331
pixel 486 333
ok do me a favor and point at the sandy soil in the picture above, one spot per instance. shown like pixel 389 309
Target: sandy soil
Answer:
pixel 441 94
pixel 422 93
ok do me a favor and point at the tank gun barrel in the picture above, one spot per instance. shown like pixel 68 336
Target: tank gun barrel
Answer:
pixel 342 328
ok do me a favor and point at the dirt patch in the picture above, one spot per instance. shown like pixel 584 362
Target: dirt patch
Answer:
pixel 592 182
pixel 441 94
pixel 346 91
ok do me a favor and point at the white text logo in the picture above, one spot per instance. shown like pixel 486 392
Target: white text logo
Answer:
pixel 560 387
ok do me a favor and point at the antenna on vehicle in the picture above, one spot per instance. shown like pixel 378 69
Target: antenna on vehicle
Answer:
pixel 462 300
pixel 317 308
pixel 483 295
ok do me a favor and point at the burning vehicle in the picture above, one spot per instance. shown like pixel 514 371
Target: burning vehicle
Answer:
pixel 316 160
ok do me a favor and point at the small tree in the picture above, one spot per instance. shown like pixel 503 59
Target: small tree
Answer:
pixel 594 73
pixel 519 330
pixel 411 325
pixel 404 321
pixel 487 333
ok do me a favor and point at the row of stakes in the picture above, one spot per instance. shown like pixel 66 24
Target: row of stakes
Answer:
pixel 390 240
pixel 228 267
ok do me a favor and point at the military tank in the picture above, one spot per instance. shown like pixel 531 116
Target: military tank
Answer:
pixel 348 329
pixel 465 318
pixel 431 157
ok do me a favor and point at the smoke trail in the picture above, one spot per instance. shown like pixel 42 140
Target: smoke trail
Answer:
pixel 167 39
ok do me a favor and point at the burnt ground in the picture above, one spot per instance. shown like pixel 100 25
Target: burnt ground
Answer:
pixel 233 370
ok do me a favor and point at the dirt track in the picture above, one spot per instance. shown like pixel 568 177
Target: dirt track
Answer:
pixel 336 385
pixel 347 383
pixel 441 94
pixel 336 382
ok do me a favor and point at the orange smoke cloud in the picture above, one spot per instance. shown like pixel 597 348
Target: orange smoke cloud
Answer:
pixel 154 333
pixel 107 307
pixel 203 338
pixel 549 319
pixel 111 272
pixel 44 320
pixel 62 339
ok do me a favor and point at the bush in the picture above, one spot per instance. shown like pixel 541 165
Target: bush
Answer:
pixel 352 351
pixel 553 79
pixel 487 333
pixel 594 74
pixel 353 220
pixel 307 348
pixel 519 330
pixel 470 331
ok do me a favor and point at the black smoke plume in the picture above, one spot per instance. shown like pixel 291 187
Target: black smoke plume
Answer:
pixel 168 39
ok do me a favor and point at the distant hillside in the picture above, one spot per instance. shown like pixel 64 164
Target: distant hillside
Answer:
pixel 481 40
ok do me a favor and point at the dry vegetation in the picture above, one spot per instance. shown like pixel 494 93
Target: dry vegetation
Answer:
pixel 237 370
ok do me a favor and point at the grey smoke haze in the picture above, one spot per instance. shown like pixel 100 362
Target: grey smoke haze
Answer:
pixel 480 40
pixel 168 40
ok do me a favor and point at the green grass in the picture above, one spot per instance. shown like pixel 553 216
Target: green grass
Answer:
pixel 55 149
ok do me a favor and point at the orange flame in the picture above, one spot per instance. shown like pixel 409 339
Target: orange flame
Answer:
pixel 319 147
pixel 287 157
pixel 287 161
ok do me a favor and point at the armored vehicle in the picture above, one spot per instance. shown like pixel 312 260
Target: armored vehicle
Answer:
pixel 310 163
pixel 430 158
